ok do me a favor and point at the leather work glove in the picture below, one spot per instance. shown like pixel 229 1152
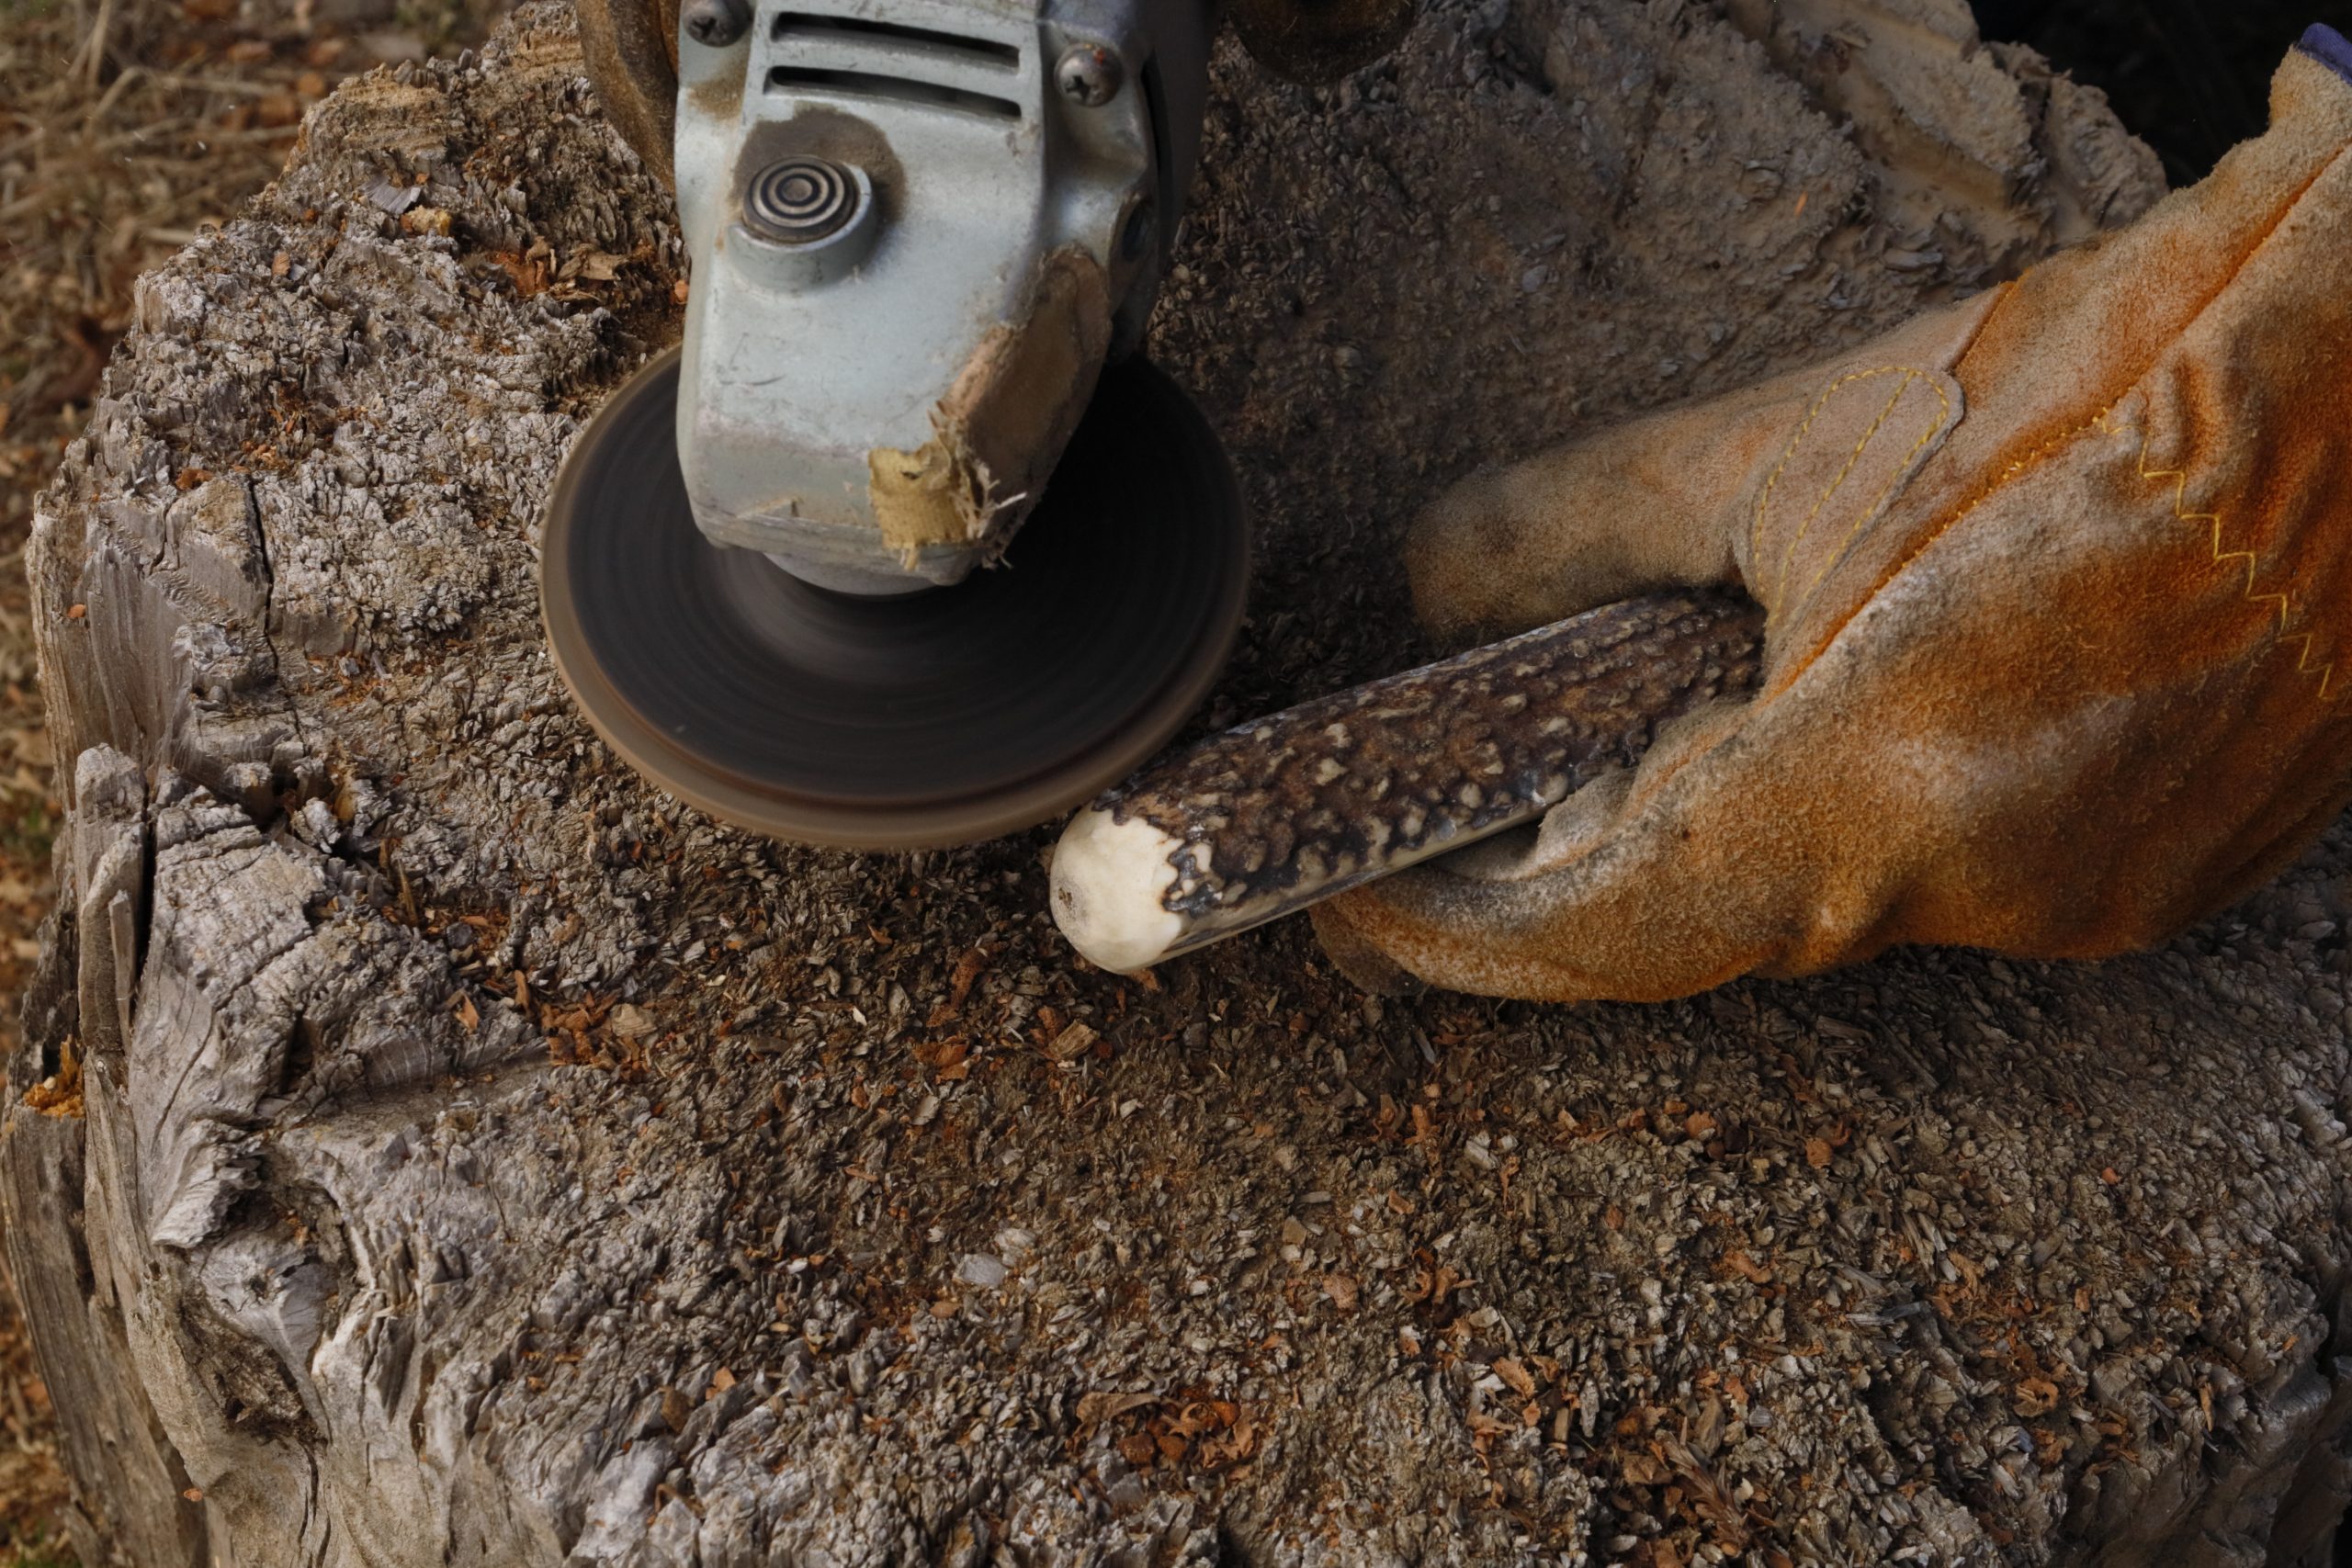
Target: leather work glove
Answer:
pixel 2059 654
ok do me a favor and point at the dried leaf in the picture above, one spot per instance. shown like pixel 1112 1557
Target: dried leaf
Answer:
pixel 1708 1497
pixel 968 970
pixel 1232 1445
pixel 1109 1404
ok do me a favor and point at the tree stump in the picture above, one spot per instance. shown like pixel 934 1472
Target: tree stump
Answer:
pixel 434 1147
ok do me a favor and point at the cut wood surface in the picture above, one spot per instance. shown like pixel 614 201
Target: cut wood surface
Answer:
pixel 432 1146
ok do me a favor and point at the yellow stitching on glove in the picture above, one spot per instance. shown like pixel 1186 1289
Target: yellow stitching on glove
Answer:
pixel 2286 211
pixel 1903 472
pixel 1788 456
pixel 1788 555
pixel 2180 510
pixel 1986 493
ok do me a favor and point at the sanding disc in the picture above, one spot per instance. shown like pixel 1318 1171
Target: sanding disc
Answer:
pixel 938 717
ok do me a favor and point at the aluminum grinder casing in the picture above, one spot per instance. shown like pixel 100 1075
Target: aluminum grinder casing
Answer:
pixel 780 571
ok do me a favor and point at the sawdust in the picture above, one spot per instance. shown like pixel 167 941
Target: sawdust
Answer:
pixel 1320 41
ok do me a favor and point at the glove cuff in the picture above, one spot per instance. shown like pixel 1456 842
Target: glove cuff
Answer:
pixel 2328 46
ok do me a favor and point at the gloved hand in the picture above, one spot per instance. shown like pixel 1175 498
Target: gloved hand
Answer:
pixel 2059 583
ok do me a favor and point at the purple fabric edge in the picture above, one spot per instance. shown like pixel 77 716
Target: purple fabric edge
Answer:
pixel 2328 46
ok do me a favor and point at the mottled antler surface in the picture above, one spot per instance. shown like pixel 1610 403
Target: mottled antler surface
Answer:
pixel 1272 815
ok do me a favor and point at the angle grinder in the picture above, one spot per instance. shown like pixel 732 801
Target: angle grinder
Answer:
pixel 905 544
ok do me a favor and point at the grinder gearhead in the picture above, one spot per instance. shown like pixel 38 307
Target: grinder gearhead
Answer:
pixel 918 231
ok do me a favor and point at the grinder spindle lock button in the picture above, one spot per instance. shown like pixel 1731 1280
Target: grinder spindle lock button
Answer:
pixel 798 200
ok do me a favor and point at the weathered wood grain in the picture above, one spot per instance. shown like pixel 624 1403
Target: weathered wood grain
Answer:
pixel 490 1162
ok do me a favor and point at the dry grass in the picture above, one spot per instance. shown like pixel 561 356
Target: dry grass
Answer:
pixel 126 126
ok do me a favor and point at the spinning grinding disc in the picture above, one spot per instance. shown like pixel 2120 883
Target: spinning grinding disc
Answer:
pixel 941 716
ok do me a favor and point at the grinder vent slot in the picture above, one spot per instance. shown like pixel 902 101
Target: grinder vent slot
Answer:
pixel 894 89
pixel 896 38
pixel 861 58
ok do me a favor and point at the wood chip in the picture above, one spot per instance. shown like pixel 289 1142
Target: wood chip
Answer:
pixel 675 1409
pixel 1108 1403
pixel 968 970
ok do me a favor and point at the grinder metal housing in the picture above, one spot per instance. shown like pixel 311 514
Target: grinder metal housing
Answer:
pixel 925 236
pixel 917 229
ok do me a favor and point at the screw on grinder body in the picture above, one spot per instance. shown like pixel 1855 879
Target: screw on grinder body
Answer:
pixel 780 571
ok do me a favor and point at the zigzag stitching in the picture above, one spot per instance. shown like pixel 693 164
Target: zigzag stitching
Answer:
pixel 2252 563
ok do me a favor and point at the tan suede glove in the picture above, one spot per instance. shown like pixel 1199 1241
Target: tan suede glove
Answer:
pixel 2059 580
